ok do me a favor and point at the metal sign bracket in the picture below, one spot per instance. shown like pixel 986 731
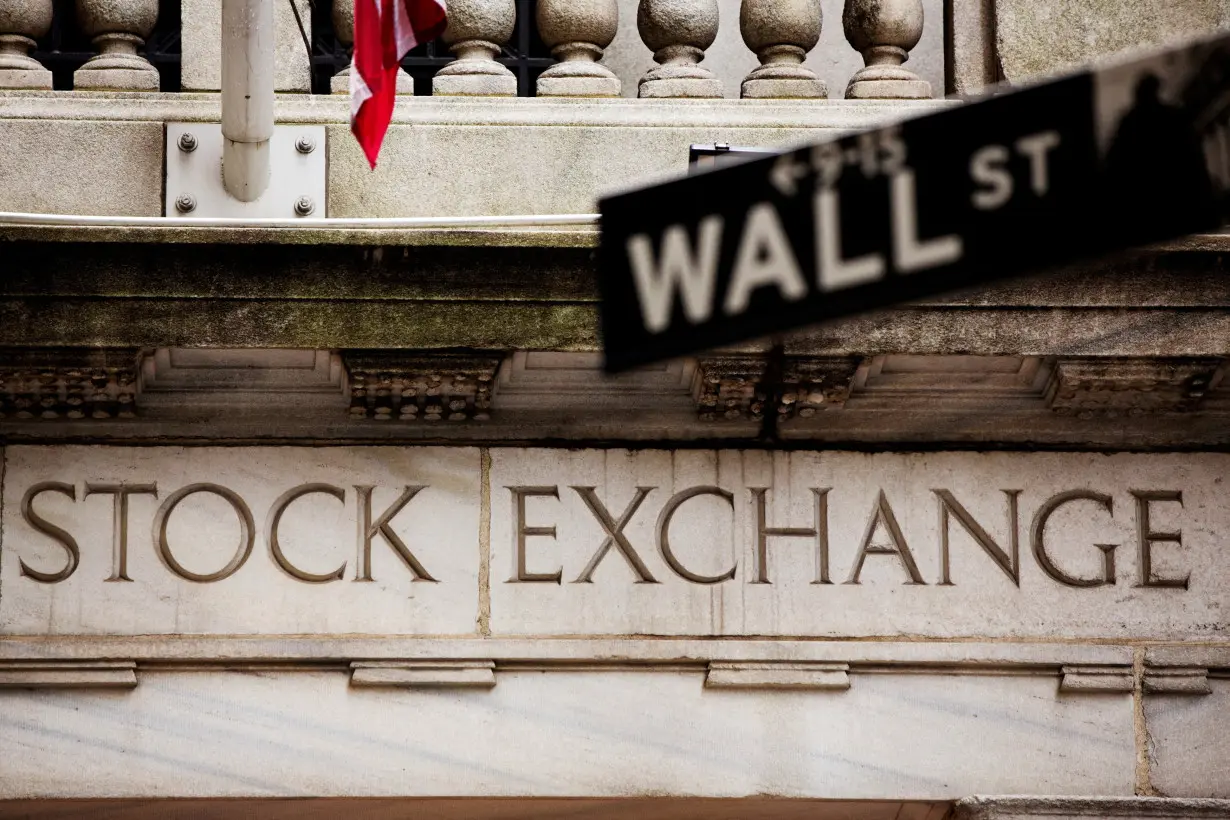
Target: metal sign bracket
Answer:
pixel 297 185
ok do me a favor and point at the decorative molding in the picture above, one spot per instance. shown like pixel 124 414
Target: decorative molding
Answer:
pixel 422 674
pixel 967 383
pixel 574 382
pixel 994 656
pixel 812 383
pixel 1129 808
pixel 733 388
pixel 1096 679
pixel 1090 387
pixel 421 386
pixel 69 383
pixel 1177 680
pixel 68 674
pixel 729 388
pixel 240 379
pixel 778 675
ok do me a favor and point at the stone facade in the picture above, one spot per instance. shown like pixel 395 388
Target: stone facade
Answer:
pixel 351 511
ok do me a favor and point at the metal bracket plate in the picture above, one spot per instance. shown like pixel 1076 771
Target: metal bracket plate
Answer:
pixel 297 184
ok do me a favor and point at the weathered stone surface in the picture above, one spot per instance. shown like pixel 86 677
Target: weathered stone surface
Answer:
pixel 781 34
pixel 205 536
pixel 1103 808
pixel 118 28
pixel 201 37
pixel 476 31
pixel 678 32
pixel 713 582
pixel 1038 38
pixel 422 387
pixel 1189 750
pixel 81 167
pixel 21 23
pixel 583 733
pixel 577 32
pixel 884 32
pixel 729 59
pixel 973 64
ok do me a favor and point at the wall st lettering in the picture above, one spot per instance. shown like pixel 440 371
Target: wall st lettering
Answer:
pixel 832 563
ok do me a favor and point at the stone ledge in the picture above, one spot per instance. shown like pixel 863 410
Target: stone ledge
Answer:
pixel 883 656
pixel 1009 808
pixel 327 110
pixel 1176 680
pixel 68 674
pixel 423 674
pixel 833 677
pixel 1096 679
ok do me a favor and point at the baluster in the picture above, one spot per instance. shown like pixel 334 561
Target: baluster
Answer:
pixel 476 31
pixel 884 32
pixel 678 32
pixel 578 32
pixel 118 28
pixel 343 27
pixel 21 23
pixel 781 33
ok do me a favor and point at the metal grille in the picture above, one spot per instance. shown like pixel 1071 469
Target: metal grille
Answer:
pixel 65 49
pixel 525 54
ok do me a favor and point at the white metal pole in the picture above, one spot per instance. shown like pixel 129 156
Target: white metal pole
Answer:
pixel 247 96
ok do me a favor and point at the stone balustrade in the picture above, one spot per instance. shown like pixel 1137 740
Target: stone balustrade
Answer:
pixel 678 33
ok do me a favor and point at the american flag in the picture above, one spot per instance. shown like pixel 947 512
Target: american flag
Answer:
pixel 384 30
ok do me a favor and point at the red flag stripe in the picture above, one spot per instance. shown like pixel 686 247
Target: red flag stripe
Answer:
pixel 384 30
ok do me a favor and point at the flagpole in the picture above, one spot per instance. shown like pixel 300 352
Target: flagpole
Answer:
pixel 247 96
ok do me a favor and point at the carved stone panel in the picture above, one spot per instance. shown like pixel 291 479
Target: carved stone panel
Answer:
pixel 729 387
pixel 415 386
pixel 732 388
pixel 1088 387
pixel 842 544
pixel 239 541
pixel 68 384
pixel 812 383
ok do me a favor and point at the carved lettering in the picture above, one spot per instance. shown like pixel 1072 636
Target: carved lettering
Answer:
pixel 275 546
pixel 1038 538
pixel 1146 537
pixel 522 531
pixel 819 531
pixel 882 514
pixel 614 535
pixel 119 534
pixel 247 532
pixel 664 544
pixel 382 527
pixel 1009 562
pixel 57 534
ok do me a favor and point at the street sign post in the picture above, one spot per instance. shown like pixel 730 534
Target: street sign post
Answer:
pixel 1112 157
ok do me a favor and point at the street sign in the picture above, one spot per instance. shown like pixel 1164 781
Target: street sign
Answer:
pixel 1112 157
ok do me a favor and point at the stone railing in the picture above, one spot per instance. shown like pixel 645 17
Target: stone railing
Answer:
pixel 780 32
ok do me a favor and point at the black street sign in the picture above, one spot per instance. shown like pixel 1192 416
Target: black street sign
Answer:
pixel 1114 157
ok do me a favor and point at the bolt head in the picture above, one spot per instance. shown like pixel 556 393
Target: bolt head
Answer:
pixel 187 143
pixel 305 145
pixel 304 206
pixel 185 203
